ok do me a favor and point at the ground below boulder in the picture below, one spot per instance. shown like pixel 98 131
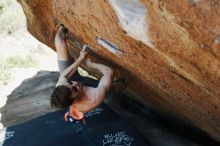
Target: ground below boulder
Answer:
pixel 31 99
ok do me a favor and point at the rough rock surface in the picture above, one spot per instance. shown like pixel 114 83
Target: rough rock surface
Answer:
pixel 169 51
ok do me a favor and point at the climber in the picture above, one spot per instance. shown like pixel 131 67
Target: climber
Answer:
pixel 73 94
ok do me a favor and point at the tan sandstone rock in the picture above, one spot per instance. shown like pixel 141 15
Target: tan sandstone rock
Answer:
pixel 169 50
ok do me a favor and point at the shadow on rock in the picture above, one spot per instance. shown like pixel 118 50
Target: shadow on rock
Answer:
pixel 156 128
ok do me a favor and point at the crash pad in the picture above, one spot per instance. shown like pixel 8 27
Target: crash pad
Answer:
pixel 103 128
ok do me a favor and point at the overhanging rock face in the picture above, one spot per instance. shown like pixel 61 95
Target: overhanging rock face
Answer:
pixel 169 51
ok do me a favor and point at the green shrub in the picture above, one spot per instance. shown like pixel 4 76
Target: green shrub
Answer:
pixel 6 64
pixel 11 16
pixel 1 9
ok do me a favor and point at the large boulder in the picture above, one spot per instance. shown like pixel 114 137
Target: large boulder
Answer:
pixel 169 51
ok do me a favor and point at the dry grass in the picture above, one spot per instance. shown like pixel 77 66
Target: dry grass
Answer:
pixel 18 49
pixel 11 16
pixel 8 63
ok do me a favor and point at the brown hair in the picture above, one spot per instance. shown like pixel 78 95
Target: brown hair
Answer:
pixel 61 97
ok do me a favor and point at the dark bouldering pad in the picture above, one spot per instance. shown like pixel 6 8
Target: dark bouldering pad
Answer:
pixel 103 128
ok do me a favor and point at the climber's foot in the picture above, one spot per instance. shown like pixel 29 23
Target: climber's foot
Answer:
pixel 62 30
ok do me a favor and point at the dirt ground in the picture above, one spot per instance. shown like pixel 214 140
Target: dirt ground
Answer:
pixel 21 43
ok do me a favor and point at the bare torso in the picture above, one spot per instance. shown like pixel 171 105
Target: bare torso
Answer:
pixel 88 101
